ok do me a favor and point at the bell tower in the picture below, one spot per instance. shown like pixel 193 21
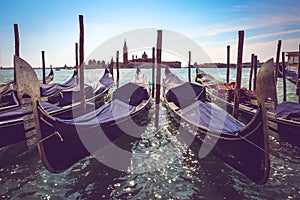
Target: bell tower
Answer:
pixel 125 53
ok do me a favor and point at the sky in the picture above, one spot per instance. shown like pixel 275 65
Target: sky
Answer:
pixel 53 26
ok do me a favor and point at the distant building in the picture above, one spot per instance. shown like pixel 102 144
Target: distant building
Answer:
pixel 293 60
pixel 144 56
pixel 144 60
pixel 125 53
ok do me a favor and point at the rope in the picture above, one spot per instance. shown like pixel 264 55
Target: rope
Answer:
pixel 250 142
pixel 49 136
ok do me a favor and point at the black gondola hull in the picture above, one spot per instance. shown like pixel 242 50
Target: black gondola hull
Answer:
pixel 61 155
pixel 12 127
pixel 246 153
pixel 288 130
pixel 12 131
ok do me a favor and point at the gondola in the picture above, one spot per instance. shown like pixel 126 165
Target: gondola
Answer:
pixel 6 87
pixel 291 76
pixel 49 77
pixel 12 129
pixel 8 91
pixel 61 143
pixel 243 147
pixel 288 120
pixel 286 115
pixel 224 98
pixel 51 92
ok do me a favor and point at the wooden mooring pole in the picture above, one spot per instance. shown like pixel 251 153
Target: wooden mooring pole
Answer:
pixel 228 64
pixel 158 75
pixel 251 71
pixel 254 72
pixel 283 77
pixel 81 61
pixel 117 66
pixel 111 67
pixel 298 80
pixel 238 75
pixel 277 60
pixel 76 60
pixel 17 46
pixel 189 66
pixel 44 67
pixel 158 61
pixel 153 70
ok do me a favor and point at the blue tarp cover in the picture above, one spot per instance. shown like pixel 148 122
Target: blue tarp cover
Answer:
pixel 106 79
pixel 131 93
pixel 16 112
pixel 291 75
pixel 113 111
pixel 51 89
pixel 72 95
pixel 6 88
pixel 50 107
pixel 12 113
pixel 171 79
pixel 212 118
pixel 288 110
pixel 188 97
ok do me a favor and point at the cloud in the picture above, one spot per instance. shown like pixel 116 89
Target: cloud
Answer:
pixel 224 42
pixel 251 23
pixel 269 48
pixel 264 50
pixel 273 34
pixel 272 21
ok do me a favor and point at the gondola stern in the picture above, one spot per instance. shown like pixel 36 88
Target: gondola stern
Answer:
pixel 267 98
pixel 28 91
pixel 266 85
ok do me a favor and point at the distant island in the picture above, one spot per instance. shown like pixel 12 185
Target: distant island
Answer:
pixel 142 64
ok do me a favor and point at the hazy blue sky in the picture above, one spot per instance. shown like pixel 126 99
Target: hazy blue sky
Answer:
pixel 53 25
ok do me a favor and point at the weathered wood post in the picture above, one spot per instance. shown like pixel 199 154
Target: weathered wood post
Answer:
pixel 158 75
pixel 17 47
pixel 283 77
pixel 251 71
pixel 111 67
pixel 189 66
pixel 153 70
pixel 158 61
pixel 44 67
pixel 228 64
pixel 117 66
pixel 298 80
pixel 277 60
pixel 76 59
pixel 255 72
pixel 238 75
pixel 81 61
